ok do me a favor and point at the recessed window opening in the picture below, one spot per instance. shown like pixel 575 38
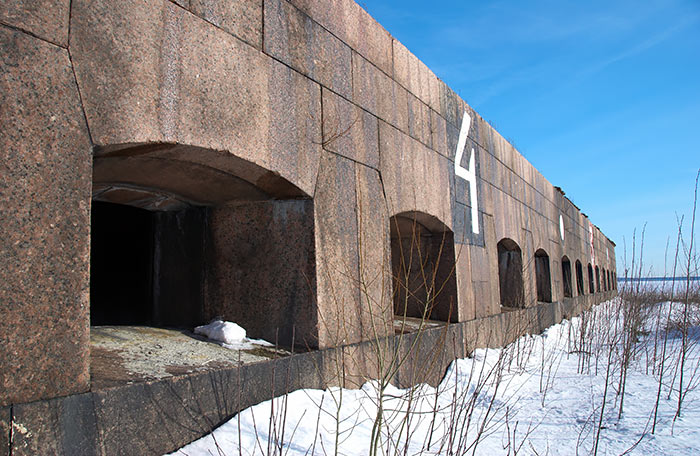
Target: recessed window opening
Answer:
pixel 604 279
pixel 176 244
pixel 543 277
pixel 566 276
pixel 591 280
pixel 597 279
pixel 510 274
pixel 579 278
pixel 423 268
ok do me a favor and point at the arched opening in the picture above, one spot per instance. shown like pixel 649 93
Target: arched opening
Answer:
pixel 543 276
pixel 604 279
pixel 591 281
pixel 566 276
pixel 510 274
pixel 597 279
pixel 579 279
pixel 181 235
pixel 423 268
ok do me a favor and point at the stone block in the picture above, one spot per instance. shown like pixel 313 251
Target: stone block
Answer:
pixel 241 18
pixel 337 269
pixel 59 426
pixel 47 19
pixel 433 176
pixel 369 38
pixel 396 166
pixel 295 39
pixel 361 361
pixel 438 128
pixel 144 78
pixel 160 417
pixel 486 193
pixel 379 94
pixel 374 255
pixel 485 135
pixel 465 290
pixel 433 351
pixel 45 153
pixel 450 105
pixel 261 270
pixel 419 120
pixel 415 76
pixel 349 130
pixel 402 66
pixel 415 178
pixel 352 24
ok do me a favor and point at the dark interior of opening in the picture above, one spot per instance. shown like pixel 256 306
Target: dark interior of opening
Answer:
pixel 604 279
pixel 597 279
pixel 591 282
pixel 579 278
pixel 543 276
pixel 146 266
pixel 423 262
pixel 177 243
pixel 566 276
pixel 510 274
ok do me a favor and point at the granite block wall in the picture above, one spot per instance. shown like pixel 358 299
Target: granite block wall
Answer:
pixel 259 105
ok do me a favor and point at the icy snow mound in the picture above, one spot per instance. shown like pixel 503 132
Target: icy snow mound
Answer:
pixel 222 331
pixel 229 335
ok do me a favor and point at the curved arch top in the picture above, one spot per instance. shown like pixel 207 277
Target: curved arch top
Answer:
pixel 164 176
pixel 145 78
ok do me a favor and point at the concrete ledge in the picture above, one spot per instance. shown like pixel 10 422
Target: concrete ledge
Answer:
pixel 158 417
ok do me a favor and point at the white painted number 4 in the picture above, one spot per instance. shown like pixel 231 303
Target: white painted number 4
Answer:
pixel 468 174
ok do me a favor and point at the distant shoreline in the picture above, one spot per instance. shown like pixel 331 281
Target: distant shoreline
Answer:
pixel 655 279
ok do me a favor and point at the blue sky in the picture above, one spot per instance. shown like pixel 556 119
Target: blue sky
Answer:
pixel 603 97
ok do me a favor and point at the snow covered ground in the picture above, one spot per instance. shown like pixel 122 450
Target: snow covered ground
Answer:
pixel 540 395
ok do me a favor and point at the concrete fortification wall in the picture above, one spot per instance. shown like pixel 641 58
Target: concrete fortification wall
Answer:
pixel 283 158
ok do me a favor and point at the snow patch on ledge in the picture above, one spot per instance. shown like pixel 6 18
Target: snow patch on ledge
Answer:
pixel 229 335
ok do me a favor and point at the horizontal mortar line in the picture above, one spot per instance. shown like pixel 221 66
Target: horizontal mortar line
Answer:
pixel 32 34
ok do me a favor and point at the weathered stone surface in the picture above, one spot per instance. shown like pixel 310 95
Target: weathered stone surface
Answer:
pixel 44 208
pixel 415 76
pixel 242 18
pixel 262 270
pixel 415 178
pixel 292 37
pixel 57 426
pixel 463 275
pixel 419 120
pixel 5 426
pixel 160 417
pixel 335 211
pixel 374 254
pixel 47 19
pixel 144 78
pixel 433 351
pixel 349 130
pixel 352 24
pixel 379 94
